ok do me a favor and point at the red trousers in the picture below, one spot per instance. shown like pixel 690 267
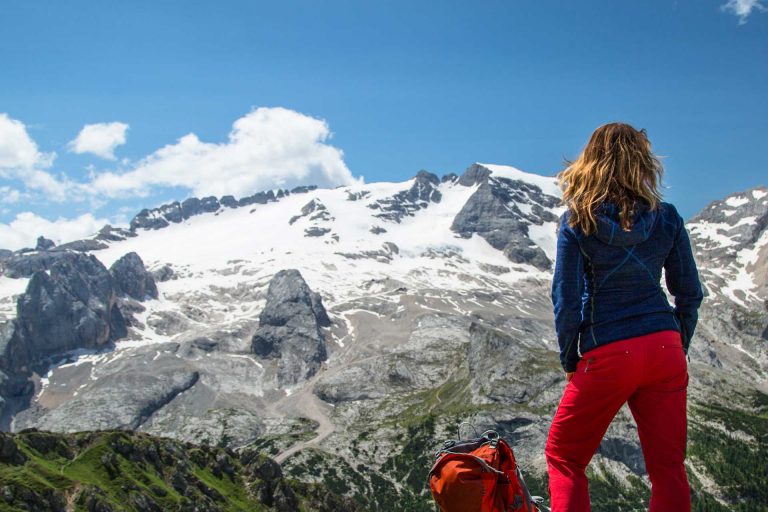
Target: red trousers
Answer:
pixel 651 374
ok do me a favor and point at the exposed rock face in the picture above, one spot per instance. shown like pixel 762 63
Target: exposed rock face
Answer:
pixel 377 230
pixel 405 203
pixel 149 219
pixel 501 211
pixel 522 376
pixel 258 198
pixel 384 255
pixel 43 244
pixel 155 218
pixel 314 206
pixel 621 449
pixel 323 320
pixel 316 231
pixel 228 201
pixel 194 206
pixel 303 189
pixel 111 234
pixel 356 196
pixel 289 328
pixel 176 212
pixel 82 245
pixel 728 214
pixel 417 365
pixel 316 219
pixel 449 177
pixel 9 452
pixel 474 174
pixel 73 307
pixel 132 279
pixel 139 396
pixel 21 264
pixel 730 242
pixel 731 239
pixel 164 273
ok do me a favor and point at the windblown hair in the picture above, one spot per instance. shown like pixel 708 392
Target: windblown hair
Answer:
pixel 616 166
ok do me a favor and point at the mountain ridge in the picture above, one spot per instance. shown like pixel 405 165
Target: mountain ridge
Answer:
pixel 420 280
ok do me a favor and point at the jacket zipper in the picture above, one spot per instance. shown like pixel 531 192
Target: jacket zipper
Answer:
pixel 586 367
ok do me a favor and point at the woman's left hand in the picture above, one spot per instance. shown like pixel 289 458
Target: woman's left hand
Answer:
pixel 569 376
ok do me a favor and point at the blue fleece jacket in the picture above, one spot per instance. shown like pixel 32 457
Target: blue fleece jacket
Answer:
pixel 607 286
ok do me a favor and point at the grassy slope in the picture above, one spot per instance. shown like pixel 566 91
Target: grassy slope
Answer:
pixel 130 471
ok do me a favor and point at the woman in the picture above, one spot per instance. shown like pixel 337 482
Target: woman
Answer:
pixel 620 340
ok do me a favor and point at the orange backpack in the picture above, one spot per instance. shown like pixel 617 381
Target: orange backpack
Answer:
pixel 479 475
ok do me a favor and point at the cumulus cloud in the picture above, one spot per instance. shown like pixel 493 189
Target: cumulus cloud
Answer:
pixel 27 226
pixel 17 149
pixel 21 159
pixel 99 139
pixel 743 8
pixel 266 148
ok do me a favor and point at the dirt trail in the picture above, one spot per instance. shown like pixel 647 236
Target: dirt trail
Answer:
pixel 305 403
pixel 310 406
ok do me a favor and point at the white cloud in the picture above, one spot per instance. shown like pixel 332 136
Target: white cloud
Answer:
pixel 743 8
pixel 21 159
pixel 100 139
pixel 267 148
pixel 9 195
pixel 17 149
pixel 27 226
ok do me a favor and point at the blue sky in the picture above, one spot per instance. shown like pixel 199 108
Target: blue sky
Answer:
pixel 371 90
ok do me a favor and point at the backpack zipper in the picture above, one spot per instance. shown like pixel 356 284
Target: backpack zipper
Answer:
pixel 586 367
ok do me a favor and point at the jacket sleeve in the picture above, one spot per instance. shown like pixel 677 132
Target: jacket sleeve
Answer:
pixel 567 289
pixel 682 278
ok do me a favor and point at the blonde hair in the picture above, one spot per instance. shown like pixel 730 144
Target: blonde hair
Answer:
pixel 616 165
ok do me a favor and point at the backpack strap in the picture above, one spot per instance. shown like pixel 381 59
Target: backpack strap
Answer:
pixel 534 503
pixel 466 423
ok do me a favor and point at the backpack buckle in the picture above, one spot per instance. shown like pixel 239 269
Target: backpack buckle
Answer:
pixel 492 436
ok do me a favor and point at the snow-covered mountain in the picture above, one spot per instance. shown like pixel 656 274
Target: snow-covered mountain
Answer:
pixel 350 323
pixel 379 255
pixel 731 239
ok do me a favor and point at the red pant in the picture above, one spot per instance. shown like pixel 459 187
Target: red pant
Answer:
pixel 651 373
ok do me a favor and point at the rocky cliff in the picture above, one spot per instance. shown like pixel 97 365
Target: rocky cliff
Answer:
pixel 69 304
pixel 289 328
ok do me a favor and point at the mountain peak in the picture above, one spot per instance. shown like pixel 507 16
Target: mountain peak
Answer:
pixel 737 220
pixel 547 184
pixel 731 241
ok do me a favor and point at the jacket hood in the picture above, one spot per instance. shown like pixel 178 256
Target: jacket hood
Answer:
pixel 609 227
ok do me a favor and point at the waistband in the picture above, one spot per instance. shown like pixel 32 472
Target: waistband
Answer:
pixel 670 338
